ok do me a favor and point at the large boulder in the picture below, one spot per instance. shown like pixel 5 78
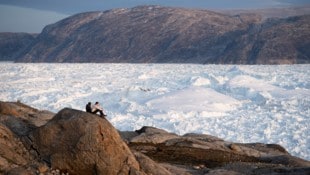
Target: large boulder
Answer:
pixel 83 143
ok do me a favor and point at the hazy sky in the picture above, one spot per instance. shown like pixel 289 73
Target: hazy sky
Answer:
pixel 32 15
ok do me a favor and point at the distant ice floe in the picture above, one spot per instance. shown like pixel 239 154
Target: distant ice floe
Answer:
pixel 196 99
pixel 267 90
pixel 269 104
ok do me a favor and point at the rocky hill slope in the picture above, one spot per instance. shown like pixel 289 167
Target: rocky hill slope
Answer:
pixel 76 142
pixel 280 12
pixel 11 44
pixel 154 34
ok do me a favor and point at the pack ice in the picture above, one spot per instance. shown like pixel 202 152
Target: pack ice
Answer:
pixel 268 104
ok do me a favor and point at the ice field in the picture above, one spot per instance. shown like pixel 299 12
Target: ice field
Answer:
pixel 268 104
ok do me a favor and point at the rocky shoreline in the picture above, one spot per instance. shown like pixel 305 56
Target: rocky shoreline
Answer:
pixel 76 142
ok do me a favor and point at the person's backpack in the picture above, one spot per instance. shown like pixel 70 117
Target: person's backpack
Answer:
pixel 88 108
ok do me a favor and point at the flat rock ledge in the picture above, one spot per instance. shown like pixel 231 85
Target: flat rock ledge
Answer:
pixel 76 142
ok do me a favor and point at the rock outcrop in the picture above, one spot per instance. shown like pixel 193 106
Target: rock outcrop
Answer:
pixel 17 120
pixel 82 143
pixel 76 142
pixel 12 44
pixel 207 154
pixel 154 34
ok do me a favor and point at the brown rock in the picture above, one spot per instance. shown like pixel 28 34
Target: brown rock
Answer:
pixel 43 168
pixel 13 154
pixel 152 135
pixel 223 172
pixel 21 171
pixel 205 153
pixel 183 170
pixel 128 135
pixel 149 166
pixel 235 148
pixel 82 143
pixel 23 113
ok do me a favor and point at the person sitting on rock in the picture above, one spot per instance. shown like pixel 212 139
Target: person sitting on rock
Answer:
pixel 88 107
pixel 97 108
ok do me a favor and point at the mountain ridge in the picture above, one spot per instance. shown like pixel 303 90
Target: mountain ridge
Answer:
pixel 11 44
pixel 156 34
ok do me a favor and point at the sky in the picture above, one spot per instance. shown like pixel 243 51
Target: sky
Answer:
pixel 32 16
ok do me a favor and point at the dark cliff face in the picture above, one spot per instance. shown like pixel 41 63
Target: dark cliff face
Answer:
pixel 11 44
pixel 171 35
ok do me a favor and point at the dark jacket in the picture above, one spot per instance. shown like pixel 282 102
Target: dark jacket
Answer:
pixel 88 107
